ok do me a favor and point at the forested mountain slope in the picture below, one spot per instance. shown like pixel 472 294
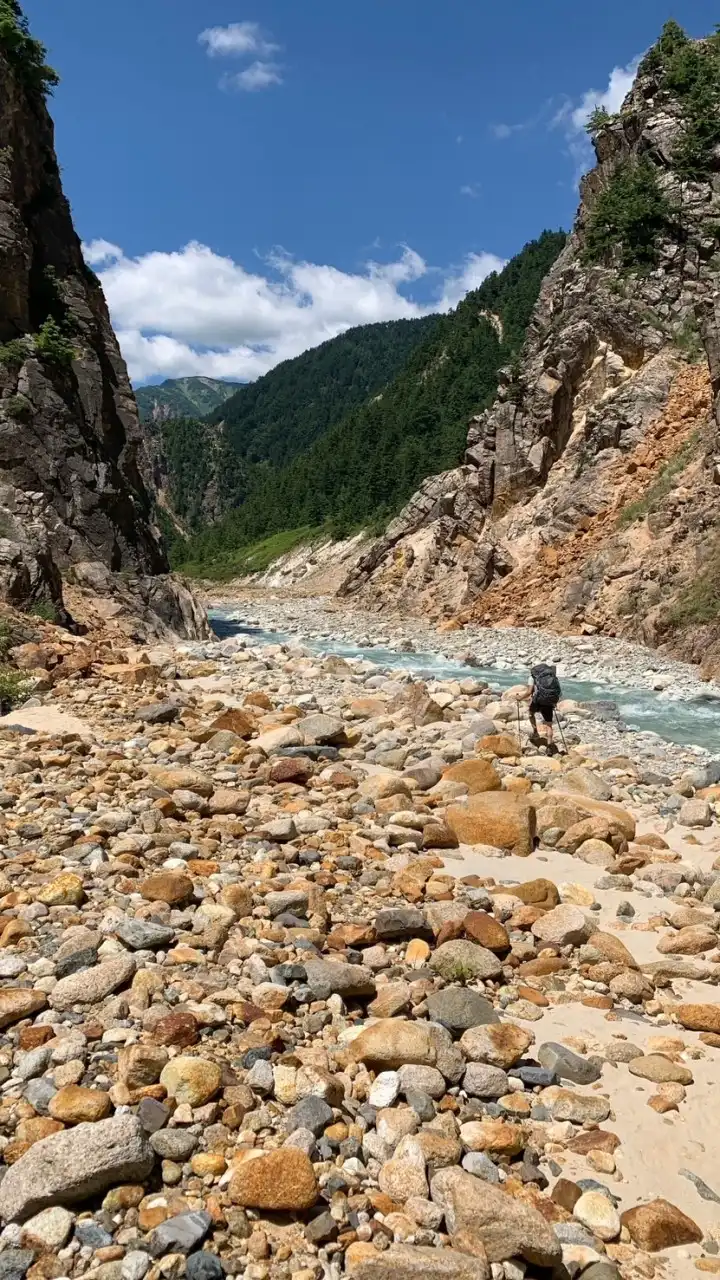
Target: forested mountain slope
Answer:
pixel 358 467
pixel 182 398
pixel 212 465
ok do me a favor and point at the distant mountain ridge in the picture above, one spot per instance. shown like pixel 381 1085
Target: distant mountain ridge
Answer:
pixel 183 398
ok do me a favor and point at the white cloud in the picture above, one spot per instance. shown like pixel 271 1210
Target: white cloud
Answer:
pixel 244 40
pixel 618 87
pixel 236 40
pixel 259 75
pixel 478 266
pixel 100 252
pixel 195 312
pixel 573 116
pixel 503 131
pixel 472 190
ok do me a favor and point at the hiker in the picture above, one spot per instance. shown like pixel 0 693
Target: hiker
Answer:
pixel 544 692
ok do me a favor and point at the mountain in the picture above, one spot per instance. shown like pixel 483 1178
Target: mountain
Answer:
pixel 182 398
pixel 587 498
pixel 76 493
pixel 212 467
pixel 353 464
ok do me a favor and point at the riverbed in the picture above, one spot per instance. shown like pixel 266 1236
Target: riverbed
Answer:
pixel 630 687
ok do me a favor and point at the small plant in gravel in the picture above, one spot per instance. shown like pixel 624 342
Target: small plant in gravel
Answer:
pixel 459 972
pixel 700 601
pixel 660 487
pixel 45 610
pixel 14 688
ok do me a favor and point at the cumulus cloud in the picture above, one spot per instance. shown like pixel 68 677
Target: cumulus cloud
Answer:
pixel 573 115
pixel 236 40
pixel 477 267
pixel 193 311
pixel 619 84
pixel 259 75
pixel 471 189
pixel 243 40
pixel 100 252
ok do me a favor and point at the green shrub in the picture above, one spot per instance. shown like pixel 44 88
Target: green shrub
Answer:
pixel 25 54
pixel 45 610
pixel 689 70
pixel 53 345
pixel 598 120
pixel 700 601
pixel 687 339
pixel 692 75
pixel 14 688
pixel 662 486
pixel 18 407
pixel 7 639
pixel 628 218
pixel 14 353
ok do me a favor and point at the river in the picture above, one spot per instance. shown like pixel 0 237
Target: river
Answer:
pixel 687 721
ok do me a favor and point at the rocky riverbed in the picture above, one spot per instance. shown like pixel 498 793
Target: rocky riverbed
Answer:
pixel 308 972
pixel 600 658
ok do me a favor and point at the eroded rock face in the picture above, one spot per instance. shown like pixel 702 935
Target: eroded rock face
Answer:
pixel 526 529
pixel 76 482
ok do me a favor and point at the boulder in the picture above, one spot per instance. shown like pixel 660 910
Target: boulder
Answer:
pixel 463 961
pixel 90 986
pixel 287 735
pixel 537 893
pixel 459 1008
pixel 500 819
pixel 478 775
pixel 280 1180
pixel 507 1227
pixel 658 1225
pixel 393 1042
pixel 20 1002
pixel 502 745
pixel 484 929
pixel 564 925
pixel 328 977
pixel 695 813
pixel 75 1164
pixel 500 1045
pixel 588 783
pixel 414 1262
pixel 191 1080
pixel 586 805
pixel 322 730
pixel 698 1017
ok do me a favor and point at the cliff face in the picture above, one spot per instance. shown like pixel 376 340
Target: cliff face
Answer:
pixel 75 476
pixel 596 465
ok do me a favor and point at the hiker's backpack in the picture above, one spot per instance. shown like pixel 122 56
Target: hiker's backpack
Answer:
pixel 547 685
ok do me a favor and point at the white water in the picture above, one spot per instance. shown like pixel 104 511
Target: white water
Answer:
pixel 689 722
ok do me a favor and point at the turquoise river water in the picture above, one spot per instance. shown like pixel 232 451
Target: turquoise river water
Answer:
pixel 689 722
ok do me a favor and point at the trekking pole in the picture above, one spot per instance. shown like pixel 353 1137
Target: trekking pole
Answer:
pixel 517 704
pixel 562 735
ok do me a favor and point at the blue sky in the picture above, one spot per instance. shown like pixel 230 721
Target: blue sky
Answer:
pixel 256 175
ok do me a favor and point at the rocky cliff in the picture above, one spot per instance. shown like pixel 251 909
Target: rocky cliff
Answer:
pixel 75 477
pixel 587 497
